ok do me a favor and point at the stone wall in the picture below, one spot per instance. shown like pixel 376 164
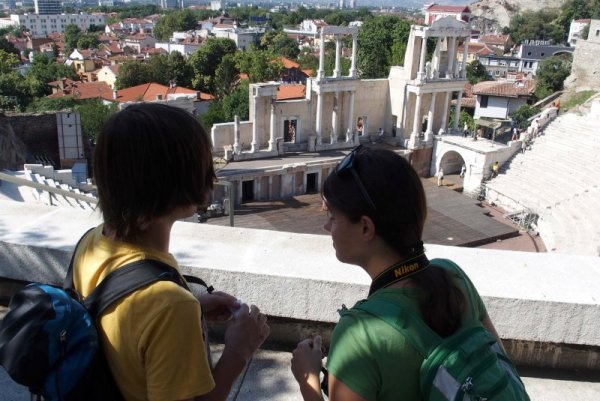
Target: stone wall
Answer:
pixel 585 72
pixel 38 133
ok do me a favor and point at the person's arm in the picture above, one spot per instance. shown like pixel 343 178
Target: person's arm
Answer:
pixel 487 323
pixel 306 367
pixel 247 331
pixel 338 391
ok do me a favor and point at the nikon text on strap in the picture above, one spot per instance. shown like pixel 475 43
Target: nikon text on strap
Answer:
pixel 399 271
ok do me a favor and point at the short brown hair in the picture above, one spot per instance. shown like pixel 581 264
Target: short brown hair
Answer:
pixel 150 159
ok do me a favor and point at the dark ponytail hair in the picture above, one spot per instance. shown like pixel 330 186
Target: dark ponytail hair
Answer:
pixel 399 197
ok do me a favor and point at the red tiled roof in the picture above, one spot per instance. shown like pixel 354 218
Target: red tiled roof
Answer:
pixel 505 89
pixel 584 20
pixel 287 63
pixel 494 39
pixel 288 92
pixel 452 9
pixel 154 50
pixel 85 90
pixel 466 102
pixel 150 91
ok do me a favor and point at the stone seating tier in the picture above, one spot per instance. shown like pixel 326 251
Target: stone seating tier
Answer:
pixel 556 179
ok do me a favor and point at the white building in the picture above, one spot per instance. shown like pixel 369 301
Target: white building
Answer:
pixel 185 48
pixel 243 38
pixel 216 5
pixel 576 29
pixel 7 23
pixel 42 25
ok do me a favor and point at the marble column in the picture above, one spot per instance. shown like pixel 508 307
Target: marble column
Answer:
pixel 443 128
pixel 254 145
pixel 350 129
pixel 321 73
pixel 272 127
pixel 463 69
pixel 451 57
pixel 436 66
pixel 237 147
pixel 430 114
pixel 334 119
pixel 319 118
pixel 421 73
pixel 354 45
pixel 457 111
pixel 417 120
pixel 338 51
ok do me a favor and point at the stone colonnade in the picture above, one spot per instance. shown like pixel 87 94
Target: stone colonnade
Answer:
pixel 440 77
pixel 328 84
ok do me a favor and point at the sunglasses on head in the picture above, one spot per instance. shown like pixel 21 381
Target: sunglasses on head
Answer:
pixel 347 164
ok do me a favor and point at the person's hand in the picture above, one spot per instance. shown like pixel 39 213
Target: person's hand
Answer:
pixel 306 361
pixel 247 331
pixel 218 306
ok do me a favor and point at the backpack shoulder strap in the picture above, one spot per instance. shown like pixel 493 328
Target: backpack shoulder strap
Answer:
pixel 401 318
pixel 128 279
pixel 68 283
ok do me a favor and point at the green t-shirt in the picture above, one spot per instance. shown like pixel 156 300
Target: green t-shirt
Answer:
pixel 374 359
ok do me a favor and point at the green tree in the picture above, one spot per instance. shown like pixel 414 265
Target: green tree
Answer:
pixel 72 34
pixel 259 65
pixel 44 69
pixel 226 109
pixel 134 73
pixel 170 68
pixel 237 103
pixel 227 76
pixel 182 20
pixel 15 93
pixel 283 45
pixel 464 118
pixel 377 38
pixel 536 25
pixel 8 62
pixel 476 72
pixel 307 59
pixel 179 70
pixel 8 46
pixel 206 59
pixel 93 115
pixel 88 41
pixel 551 75
pixel 522 115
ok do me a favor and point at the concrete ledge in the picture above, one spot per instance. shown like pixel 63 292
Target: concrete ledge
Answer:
pixel 548 299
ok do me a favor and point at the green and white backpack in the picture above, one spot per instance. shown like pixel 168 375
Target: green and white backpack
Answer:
pixel 469 365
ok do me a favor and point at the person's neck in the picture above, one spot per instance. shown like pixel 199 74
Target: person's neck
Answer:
pixel 156 235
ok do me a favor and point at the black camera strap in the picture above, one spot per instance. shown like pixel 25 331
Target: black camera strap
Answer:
pixel 399 271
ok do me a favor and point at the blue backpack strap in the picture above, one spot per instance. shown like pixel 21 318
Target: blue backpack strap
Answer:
pixel 400 317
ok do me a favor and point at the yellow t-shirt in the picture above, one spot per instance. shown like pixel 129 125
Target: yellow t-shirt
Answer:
pixel 152 338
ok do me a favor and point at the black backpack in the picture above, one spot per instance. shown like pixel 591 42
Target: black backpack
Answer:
pixel 49 341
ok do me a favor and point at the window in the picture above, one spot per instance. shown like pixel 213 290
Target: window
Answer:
pixel 483 103
pixel 529 53
pixel 597 32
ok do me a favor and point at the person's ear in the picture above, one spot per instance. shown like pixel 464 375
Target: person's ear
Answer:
pixel 368 228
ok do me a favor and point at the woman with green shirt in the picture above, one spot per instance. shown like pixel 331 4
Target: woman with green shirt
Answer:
pixel 376 213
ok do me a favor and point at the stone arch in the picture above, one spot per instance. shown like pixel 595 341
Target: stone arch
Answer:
pixel 451 161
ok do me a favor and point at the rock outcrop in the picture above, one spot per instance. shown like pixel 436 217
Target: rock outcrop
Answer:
pixel 490 16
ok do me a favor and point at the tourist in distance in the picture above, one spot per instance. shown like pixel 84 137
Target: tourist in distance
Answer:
pixel 152 166
pixel 440 177
pixel 376 213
